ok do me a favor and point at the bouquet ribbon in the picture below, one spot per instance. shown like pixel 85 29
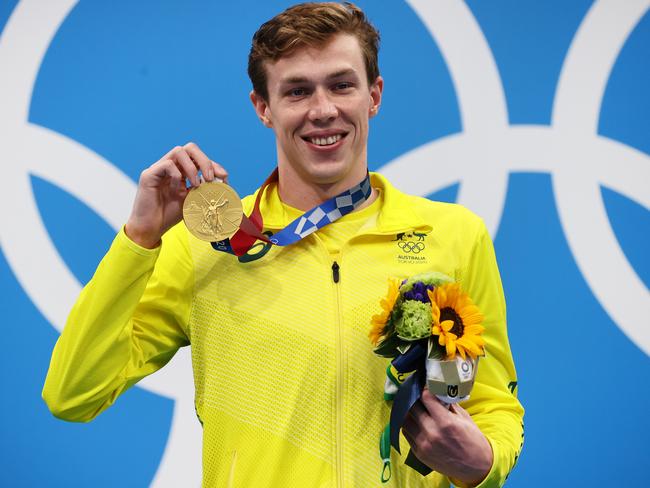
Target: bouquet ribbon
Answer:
pixel 409 391
pixel 321 215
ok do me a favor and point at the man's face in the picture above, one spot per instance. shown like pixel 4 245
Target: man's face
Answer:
pixel 318 105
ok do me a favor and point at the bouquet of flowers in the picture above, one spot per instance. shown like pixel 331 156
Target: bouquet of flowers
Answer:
pixel 432 331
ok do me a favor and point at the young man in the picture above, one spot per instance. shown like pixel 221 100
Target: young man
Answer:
pixel 288 389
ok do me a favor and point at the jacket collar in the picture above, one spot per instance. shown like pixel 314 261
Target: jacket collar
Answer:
pixel 396 214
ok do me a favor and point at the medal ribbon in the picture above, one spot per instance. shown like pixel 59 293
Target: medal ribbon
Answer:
pixel 409 391
pixel 250 229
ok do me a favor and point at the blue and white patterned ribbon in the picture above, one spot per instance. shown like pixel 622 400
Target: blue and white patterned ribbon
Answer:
pixel 323 214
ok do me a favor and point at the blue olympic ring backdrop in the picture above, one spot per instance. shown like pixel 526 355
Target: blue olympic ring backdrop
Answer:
pixel 129 80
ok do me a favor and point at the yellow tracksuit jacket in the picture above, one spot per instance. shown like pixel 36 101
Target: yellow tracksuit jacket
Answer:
pixel 288 389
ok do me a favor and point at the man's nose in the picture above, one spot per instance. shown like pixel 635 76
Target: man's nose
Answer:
pixel 322 106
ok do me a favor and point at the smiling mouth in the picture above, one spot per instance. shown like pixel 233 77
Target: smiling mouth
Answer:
pixel 325 141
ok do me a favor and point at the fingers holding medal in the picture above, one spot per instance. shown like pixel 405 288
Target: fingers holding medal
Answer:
pixel 212 210
pixel 162 190
pixel 192 159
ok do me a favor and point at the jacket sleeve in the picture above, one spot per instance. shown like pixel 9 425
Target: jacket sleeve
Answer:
pixel 493 403
pixel 127 323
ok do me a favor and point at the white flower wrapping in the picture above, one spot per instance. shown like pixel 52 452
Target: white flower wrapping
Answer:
pixel 451 380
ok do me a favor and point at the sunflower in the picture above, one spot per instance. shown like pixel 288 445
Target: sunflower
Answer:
pixel 378 321
pixel 456 321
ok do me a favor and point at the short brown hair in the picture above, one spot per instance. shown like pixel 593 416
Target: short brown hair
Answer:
pixel 310 24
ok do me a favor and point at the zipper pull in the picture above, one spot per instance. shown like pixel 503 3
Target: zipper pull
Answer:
pixel 335 272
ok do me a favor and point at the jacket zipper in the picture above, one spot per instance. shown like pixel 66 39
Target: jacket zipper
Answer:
pixel 336 278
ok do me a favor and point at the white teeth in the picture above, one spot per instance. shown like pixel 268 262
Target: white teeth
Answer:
pixel 325 141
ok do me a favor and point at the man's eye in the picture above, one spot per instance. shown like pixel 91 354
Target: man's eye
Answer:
pixel 344 85
pixel 297 92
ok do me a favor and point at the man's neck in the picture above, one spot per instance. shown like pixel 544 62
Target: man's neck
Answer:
pixel 306 196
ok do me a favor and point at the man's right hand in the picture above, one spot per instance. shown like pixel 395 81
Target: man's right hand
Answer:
pixel 161 191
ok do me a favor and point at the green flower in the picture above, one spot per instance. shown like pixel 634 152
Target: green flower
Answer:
pixel 429 279
pixel 415 321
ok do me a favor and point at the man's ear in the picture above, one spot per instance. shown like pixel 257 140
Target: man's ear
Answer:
pixel 376 89
pixel 261 108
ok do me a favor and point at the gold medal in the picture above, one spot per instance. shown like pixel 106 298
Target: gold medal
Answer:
pixel 212 211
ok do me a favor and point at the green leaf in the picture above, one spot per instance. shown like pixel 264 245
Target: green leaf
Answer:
pixel 389 347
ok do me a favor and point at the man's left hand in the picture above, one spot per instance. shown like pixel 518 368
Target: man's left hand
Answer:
pixel 447 440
